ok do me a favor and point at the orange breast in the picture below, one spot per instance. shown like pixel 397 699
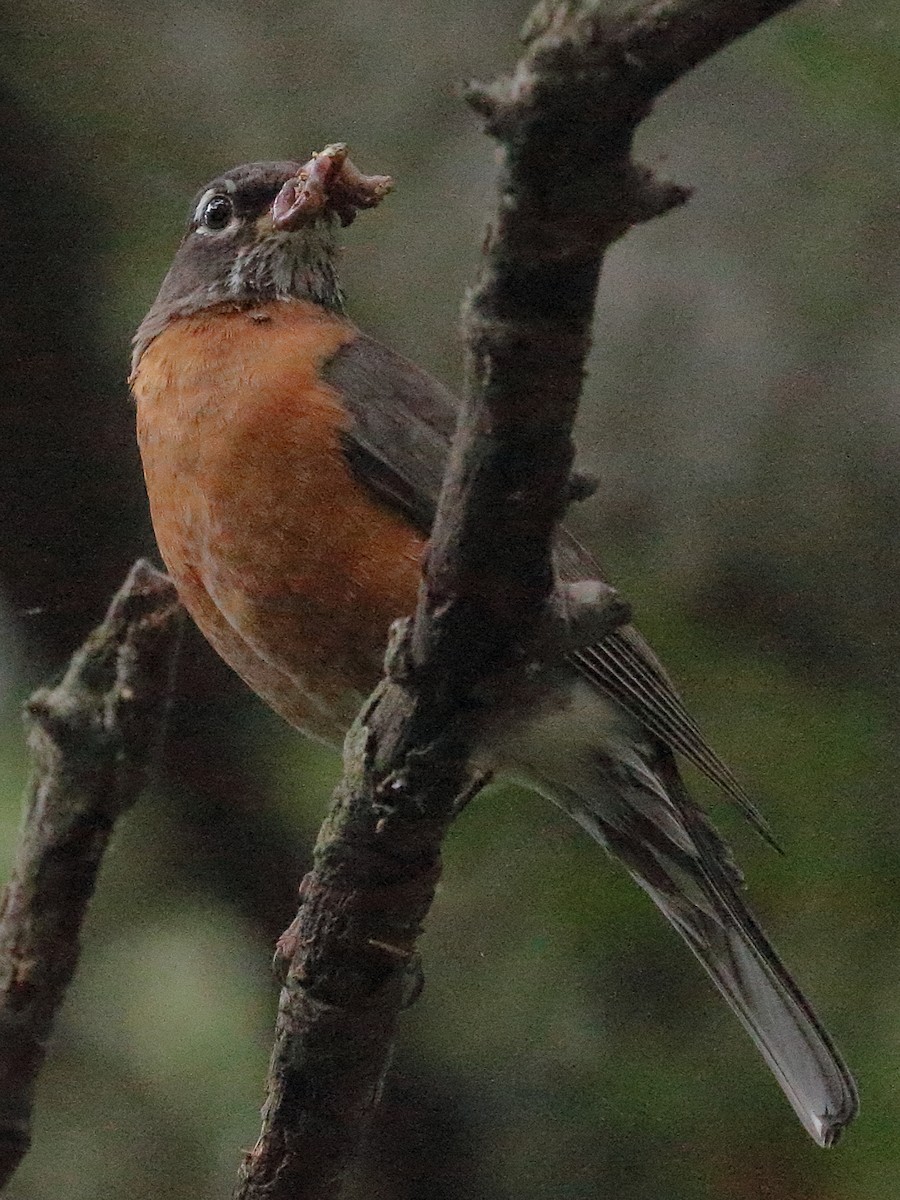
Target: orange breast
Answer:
pixel 291 569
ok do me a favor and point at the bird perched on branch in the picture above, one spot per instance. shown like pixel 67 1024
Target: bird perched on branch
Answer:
pixel 293 466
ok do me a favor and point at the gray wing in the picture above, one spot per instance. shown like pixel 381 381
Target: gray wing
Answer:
pixel 402 421
pixel 625 667
pixel 397 444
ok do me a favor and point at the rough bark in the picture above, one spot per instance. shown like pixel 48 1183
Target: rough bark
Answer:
pixel 568 188
pixel 92 738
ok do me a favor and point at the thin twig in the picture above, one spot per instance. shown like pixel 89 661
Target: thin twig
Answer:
pixel 568 188
pixel 91 739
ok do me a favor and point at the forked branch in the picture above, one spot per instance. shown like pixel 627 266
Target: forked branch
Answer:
pixel 568 188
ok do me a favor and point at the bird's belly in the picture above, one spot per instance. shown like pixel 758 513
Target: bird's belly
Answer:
pixel 560 738
pixel 290 568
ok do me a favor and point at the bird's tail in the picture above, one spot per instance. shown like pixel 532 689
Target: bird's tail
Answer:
pixel 699 894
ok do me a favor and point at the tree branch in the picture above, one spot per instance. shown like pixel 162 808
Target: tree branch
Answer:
pixel 568 188
pixel 91 739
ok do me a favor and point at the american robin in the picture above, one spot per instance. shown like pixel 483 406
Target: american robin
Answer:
pixel 293 465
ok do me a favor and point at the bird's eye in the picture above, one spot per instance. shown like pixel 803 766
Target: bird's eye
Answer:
pixel 217 213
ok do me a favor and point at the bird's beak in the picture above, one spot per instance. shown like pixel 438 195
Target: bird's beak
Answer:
pixel 294 205
pixel 328 183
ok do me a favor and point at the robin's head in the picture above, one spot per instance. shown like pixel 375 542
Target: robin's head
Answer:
pixel 262 232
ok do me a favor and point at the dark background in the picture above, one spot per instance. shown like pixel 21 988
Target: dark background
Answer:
pixel 742 413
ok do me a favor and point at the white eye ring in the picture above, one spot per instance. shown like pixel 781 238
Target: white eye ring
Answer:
pixel 211 194
pixel 218 214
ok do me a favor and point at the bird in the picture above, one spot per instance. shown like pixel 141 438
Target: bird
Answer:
pixel 293 465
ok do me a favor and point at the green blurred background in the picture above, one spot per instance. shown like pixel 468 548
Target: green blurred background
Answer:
pixel 742 413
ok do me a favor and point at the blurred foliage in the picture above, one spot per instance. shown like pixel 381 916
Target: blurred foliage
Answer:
pixel 742 414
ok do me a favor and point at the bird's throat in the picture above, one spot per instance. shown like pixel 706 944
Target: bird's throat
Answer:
pixel 289 266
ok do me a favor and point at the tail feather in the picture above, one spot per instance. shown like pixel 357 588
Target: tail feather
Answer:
pixel 717 924
pixel 621 783
pixel 699 896
pixel 758 987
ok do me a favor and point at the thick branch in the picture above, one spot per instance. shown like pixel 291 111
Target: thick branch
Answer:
pixel 91 739
pixel 568 189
